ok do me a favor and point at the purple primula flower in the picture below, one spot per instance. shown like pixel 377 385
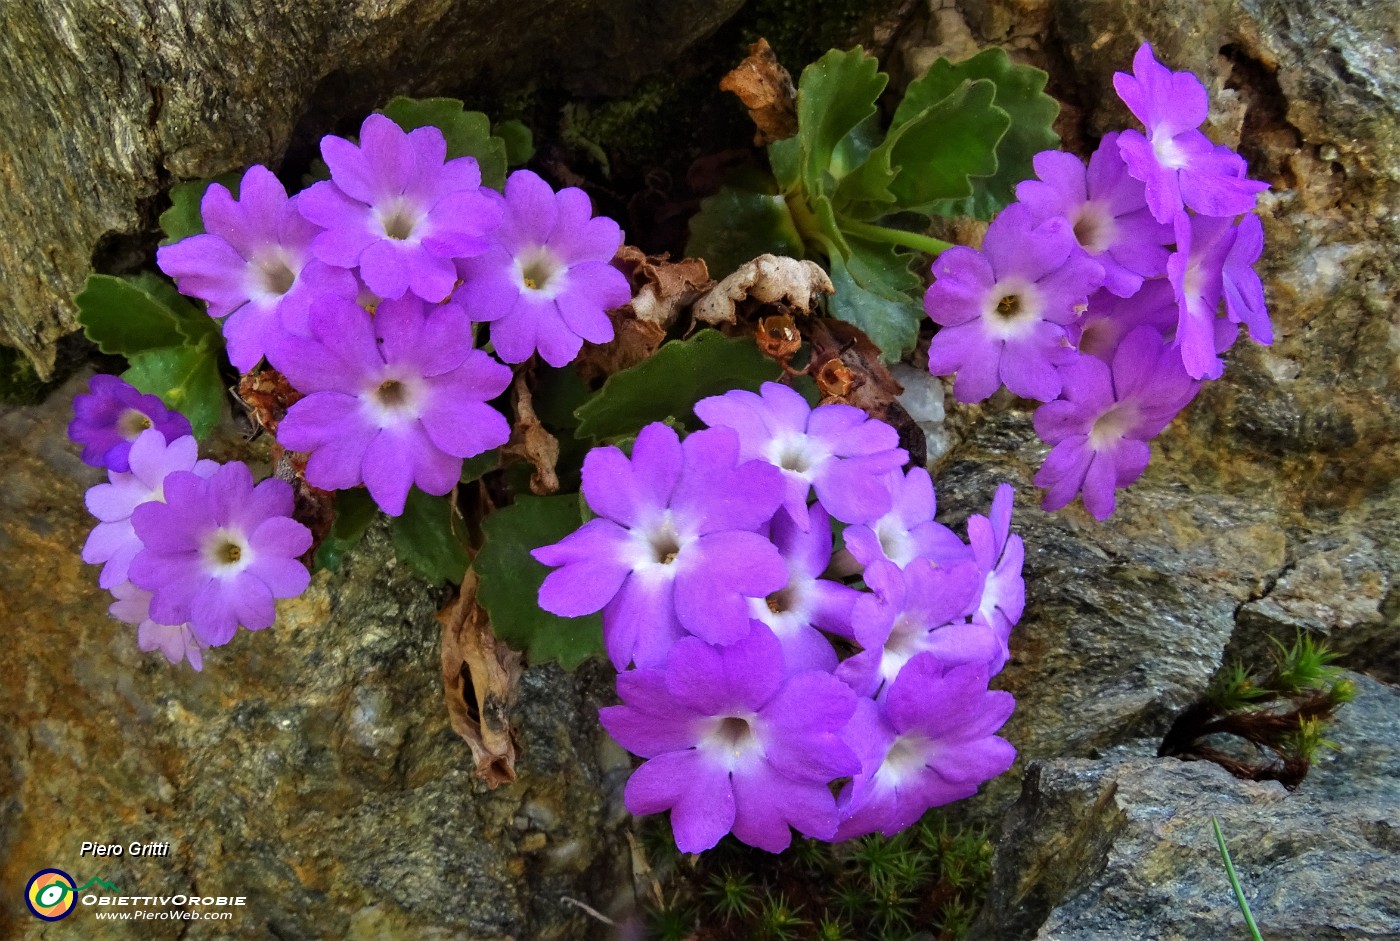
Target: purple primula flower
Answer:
pixel 919 609
pixel 837 450
pixel 999 556
pixel 1177 163
pixel 109 417
pixel 1107 212
pixel 1208 265
pixel 908 531
pixel 392 400
pixel 733 743
pixel 1101 428
pixel 1109 319
pixel 399 210
pixel 1004 309
pixel 675 547
pixel 218 551
pixel 929 743
pixel 253 265
pixel 808 604
pixel 176 641
pixel 547 282
pixel 113 541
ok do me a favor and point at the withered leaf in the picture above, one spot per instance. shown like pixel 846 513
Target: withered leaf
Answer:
pixel 788 284
pixel 848 369
pixel 531 441
pixel 480 679
pixel 766 89
pixel 267 395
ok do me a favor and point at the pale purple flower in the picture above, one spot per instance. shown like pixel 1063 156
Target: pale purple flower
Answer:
pixel 929 743
pixel 547 282
pixel 675 547
pixel 1177 163
pixel 908 531
pixel 393 400
pixel 1213 262
pixel 920 609
pixel 252 265
pixel 808 604
pixel 837 450
pixel 113 542
pixel 1109 319
pixel 1101 427
pixel 1107 212
pixel 733 743
pixel 108 418
pixel 1004 310
pixel 176 641
pixel 399 210
pixel 999 555
pixel 218 551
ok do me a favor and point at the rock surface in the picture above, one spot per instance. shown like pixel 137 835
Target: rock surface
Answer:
pixel 107 103
pixel 310 767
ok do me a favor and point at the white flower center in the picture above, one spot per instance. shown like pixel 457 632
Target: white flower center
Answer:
pixel 395 399
pixel 132 422
pixel 1013 309
pixel 732 742
pixel 1110 427
pixel 226 552
pixel 540 272
pixel 908 755
pixel 273 273
pixel 398 218
pixel 1095 227
pixel 1168 153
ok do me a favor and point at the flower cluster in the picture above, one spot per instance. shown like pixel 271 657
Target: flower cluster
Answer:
pixel 190 549
pixel 759 675
pixel 363 290
pixel 1108 291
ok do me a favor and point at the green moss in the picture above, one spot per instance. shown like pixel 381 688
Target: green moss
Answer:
pixel 19 382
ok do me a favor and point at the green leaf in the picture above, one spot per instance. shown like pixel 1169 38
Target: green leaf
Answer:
pixel 835 96
pixel 1020 92
pixel 511 579
pixel 668 384
pixel 120 317
pixel 936 154
pixel 475 468
pixel 468 133
pixel 520 143
pixel 183 218
pixel 354 511
pixel 186 378
pixel 735 226
pixel 194 323
pixel 785 157
pixel 426 539
pixel 870 293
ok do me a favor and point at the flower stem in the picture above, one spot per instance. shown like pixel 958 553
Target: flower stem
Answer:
pixel 878 233
pixel 1235 882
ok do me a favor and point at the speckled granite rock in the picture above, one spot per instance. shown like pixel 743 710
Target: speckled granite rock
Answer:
pixel 310 767
pixel 1099 851
pixel 106 103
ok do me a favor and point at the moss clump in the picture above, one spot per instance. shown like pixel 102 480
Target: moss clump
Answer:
pixel 19 382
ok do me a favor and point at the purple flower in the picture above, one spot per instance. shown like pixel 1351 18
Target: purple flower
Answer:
pixel 1214 261
pixel 808 604
pixel 1004 309
pixel 920 609
pixel 253 265
pixel 176 641
pixel 930 743
pixel 399 210
pixel 733 743
pixel 113 541
pixel 392 400
pixel 108 418
pixel 675 547
pixel 547 282
pixel 837 450
pixel 908 531
pixel 1107 212
pixel 999 556
pixel 1101 428
pixel 1109 319
pixel 218 551
pixel 1177 163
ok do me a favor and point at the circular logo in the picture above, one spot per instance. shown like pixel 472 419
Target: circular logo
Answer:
pixel 50 894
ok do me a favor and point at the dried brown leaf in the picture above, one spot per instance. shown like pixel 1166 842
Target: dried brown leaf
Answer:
pixel 480 679
pixel 790 285
pixel 267 395
pixel 530 441
pixel 766 89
